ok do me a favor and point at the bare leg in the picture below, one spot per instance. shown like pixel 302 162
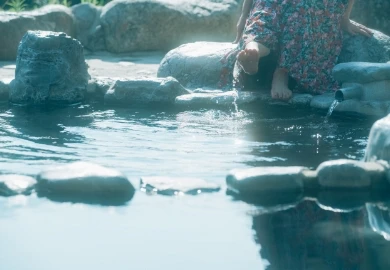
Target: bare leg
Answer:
pixel 249 57
pixel 280 85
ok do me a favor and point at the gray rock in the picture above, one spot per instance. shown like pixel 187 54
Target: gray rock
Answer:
pixel 98 87
pixel 379 91
pixel 378 218
pixel 88 29
pixel 361 72
pixel 344 173
pixel 367 108
pixel 13 184
pixel 359 48
pixel 195 64
pixel 374 14
pixel 138 25
pixel 144 91
pixel 378 145
pixel 176 185
pixel 220 99
pixel 50 68
pixel 85 182
pixel 259 180
pixel 301 99
pixel 323 101
pixel 13 26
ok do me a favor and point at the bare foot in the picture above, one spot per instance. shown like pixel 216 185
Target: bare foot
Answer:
pixel 249 57
pixel 280 85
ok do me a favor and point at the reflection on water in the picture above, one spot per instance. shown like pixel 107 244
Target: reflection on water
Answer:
pixel 211 231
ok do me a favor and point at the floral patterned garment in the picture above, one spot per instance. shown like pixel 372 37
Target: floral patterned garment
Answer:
pixel 305 35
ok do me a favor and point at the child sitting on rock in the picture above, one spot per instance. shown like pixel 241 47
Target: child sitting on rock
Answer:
pixel 305 35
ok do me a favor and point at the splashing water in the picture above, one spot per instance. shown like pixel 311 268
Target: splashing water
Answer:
pixel 331 108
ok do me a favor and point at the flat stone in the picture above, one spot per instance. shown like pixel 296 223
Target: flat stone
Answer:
pixel 220 99
pixel 361 72
pixel 323 101
pixel 301 100
pixel 378 145
pixel 98 87
pixel 144 91
pixel 259 180
pixel 376 91
pixel 367 108
pixel 85 182
pixel 13 184
pixel 50 69
pixel 344 173
pixel 176 185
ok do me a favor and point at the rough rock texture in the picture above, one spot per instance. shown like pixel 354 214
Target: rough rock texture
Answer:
pixel 134 25
pixel 373 13
pixel 85 182
pixel 176 185
pixel 144 91
pixel 98 86
pixel 378 146
pixel 50 68
pixel 257 180
pixel 366 49
pixel 346 173
pixel 361 72
pixel 195 64
pixel 12 184
pixel 13 26
pixel 88 29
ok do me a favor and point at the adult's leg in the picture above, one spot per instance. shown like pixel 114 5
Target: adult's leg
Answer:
pixel 280 88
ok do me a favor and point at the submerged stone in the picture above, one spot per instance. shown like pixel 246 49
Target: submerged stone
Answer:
pixel 176 185
pixel 13 184
pixel 85 182
pixel 344 173
pixel 301 99
pixel 50 68
pixel 367 108
pixel 361 72
pixel 144 91
pixel 260 180
pixel 378 146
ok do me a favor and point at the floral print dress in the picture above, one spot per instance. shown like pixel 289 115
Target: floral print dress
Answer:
pixel 305 36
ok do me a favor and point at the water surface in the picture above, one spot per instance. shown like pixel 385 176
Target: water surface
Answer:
pixel 210 231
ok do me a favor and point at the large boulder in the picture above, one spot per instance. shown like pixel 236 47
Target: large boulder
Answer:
pixel 50 68
pixel 134 25
pixel 374 14
pixel 13 26
pixel 196 64
pixel 88 29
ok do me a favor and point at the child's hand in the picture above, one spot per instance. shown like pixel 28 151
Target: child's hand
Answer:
pixel 240 29
pixel 354 28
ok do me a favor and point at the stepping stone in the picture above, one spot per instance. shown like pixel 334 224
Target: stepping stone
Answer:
pixel 85 182
pixel 176 185
pixel 361 72
pixel 13 184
